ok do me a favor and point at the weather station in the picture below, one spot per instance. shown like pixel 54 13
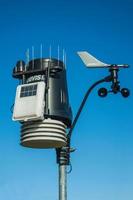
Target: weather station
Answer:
pixel 43 110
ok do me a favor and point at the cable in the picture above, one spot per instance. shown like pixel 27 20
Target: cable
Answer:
pixel 106 79
pixel 70 169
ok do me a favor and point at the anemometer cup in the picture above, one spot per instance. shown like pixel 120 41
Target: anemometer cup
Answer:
pixel 102 92
pixel 125 92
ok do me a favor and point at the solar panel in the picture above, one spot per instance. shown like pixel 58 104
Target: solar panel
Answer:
pixel 27 91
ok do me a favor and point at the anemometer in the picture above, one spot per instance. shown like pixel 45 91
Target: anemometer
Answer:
pixel 91 62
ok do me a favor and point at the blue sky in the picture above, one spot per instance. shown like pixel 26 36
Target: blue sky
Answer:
pixel 103 162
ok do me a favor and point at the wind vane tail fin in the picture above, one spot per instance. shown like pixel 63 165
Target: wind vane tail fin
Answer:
pixel 91 61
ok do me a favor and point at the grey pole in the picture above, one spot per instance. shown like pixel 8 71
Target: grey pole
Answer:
pixel 62 182
pixel 63 155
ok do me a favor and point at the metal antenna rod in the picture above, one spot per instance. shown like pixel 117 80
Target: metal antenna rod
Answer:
pixel 27 56
pixel 63 55
pixel 33 57
pixel 65 60
pixel 50 52
pixel 41 56
pixel 58 54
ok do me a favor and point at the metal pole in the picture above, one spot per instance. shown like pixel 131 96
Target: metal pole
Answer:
pixel 63 156
pixel 62 182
